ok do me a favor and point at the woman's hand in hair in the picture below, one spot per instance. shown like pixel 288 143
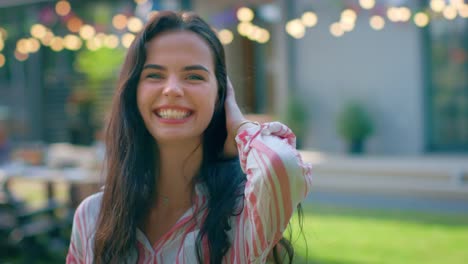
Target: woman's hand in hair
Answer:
pixel 234 118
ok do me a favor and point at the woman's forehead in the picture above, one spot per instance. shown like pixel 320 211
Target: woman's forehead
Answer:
pixel 178 47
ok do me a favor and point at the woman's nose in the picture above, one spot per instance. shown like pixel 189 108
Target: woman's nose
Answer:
pixel 173 88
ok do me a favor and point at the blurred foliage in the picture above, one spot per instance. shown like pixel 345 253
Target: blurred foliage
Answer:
pixel 295 117
pixel 99 65
pixel 354 123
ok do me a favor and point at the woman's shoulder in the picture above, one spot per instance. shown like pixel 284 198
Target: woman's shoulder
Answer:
pixel 88 210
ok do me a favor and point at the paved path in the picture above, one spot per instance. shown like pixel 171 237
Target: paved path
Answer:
pixel 388 202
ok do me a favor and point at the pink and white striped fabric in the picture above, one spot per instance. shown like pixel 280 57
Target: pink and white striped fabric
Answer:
pixel 277 180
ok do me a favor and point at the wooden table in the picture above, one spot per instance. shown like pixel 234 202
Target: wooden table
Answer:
pixel 74 177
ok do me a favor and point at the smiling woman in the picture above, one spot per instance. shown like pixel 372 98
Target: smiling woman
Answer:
pixel 189 178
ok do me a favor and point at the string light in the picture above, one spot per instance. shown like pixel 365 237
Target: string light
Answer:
pixel 309 19
pixel 56 44
pixel 2 44
pixel 111 41
pixel 119 21
pixel 421 19
pixel 377 22
pixel 74 24
pixel 134 24
pixel 47 39
pixel 336 30
pixel 245 14
pixel 127 39
pixel 264 36
pixel 367 4
pixel 463 11
pixel 87 32
pixel 348 15
pixel 450 12
pixel 62 8
pixel 33 45
pixel 437 5
pixel 22 46
pixel 225 36
pixel 72 42
pixel 38 31
pixel 254 33
pixel 244 28
pixel 92 44
pixel 295 28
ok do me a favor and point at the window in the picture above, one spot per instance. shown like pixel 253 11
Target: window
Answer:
pixel 448 93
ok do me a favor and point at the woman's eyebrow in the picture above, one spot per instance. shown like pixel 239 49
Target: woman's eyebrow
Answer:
pixel 195 67
pixel 154 66
pixel 186 68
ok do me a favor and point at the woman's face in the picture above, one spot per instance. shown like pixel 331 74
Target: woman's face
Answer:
pixel 177 90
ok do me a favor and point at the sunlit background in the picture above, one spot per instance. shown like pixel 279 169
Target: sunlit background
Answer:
pixel 375 90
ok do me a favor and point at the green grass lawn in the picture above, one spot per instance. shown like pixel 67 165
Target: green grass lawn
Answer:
pixel 339 235
pixel 349 236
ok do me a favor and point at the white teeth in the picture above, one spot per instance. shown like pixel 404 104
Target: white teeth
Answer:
pixel 173 114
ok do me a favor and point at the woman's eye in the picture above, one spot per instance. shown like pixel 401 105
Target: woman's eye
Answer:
pixel 154 76
pixel 195 77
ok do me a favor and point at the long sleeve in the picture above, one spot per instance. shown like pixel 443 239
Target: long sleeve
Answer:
pixel 82 235
pixel 277 181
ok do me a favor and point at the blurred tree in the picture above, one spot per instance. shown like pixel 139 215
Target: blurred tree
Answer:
pixel 88 102
pixel 100 65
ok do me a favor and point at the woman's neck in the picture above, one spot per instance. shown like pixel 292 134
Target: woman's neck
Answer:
pixel 178 164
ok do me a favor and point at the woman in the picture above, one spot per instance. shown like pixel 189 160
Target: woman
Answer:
pixel 174 191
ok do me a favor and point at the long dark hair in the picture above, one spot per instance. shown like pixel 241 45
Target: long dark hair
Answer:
pixel 131 184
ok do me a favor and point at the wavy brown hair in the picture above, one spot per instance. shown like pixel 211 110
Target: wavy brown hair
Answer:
pixel 131 183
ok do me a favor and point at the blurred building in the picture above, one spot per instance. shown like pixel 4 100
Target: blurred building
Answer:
pixel 407 66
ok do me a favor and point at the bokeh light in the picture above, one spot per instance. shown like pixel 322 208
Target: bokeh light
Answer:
pixel 38 31
pixel 119 21
pixel 245 14
pixel 62 8
pixel 72 42
pixel 421 19
pixel 111 41
pixel 336 30
pixel 134 24
pixel 437 5
pixel 309 19
pixel 74 24
pixel 295 28
pixel 87 32
pixel 450 12
pixel 127 39
pixel 377 22
pixel 56 44
pixel 225 36
pixel 367 4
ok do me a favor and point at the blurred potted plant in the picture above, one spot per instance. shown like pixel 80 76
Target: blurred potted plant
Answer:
pixel 355 126
pixel 295 117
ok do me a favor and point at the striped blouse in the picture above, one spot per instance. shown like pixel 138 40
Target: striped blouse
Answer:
pixel 277 180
